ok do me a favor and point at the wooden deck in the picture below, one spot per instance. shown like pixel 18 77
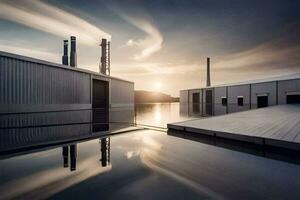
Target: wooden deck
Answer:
pixel 274 126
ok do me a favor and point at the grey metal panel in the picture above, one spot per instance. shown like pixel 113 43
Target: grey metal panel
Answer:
pixel 31 88
pixel 21 108
pixel 184 103
pixel 121 101
pixel 287 86
pixel 268 88
pixel 204 100
pixel 24 137
pixel 233 93
pixel 44 119
pixel 26 83
pixel 184 96
pixel 219 108
pixel 121 92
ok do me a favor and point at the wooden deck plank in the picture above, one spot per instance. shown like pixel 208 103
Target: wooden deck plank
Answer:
pixel 278 123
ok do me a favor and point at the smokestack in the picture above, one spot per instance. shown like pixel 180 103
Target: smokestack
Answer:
pixel 65 59
pixel 208 73
pixel 73 56
pixel 103 56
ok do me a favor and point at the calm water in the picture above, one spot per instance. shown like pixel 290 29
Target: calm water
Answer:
pixel 145 164
pixel 159 114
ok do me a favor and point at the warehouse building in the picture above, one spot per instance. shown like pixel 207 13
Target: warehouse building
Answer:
pixel 229 98
pixel 41 98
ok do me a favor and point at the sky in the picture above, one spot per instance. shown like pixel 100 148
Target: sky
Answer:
pixel 161 45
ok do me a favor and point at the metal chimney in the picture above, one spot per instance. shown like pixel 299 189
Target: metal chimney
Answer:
pixel 208 73
pixel 103 64
pixel 65 59
pixel 73 55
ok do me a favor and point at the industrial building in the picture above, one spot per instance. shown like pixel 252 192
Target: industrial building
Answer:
pixel 268 117
pixel 43 98
pixel 235 97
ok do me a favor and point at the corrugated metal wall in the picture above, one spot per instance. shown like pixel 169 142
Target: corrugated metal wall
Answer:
pixel 24 82
pixel 219 93
pixel 42 102
pixel 121 103
pixel 276 91
pixel 184 102
pixel 38 93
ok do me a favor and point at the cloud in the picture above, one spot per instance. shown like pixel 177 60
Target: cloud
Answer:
pixel 153 40
pixel 151 43
pixel 282 52
pixel 48 18
pixel 150 69
pixel 16 48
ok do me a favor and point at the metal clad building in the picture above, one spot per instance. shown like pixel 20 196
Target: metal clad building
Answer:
pixel 238 98
pixel 40 93
pixel 244 96
pixel 263 94
pixel 220 100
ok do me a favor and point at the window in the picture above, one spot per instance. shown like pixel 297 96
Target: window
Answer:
pixel 224 101
pixel 293 97
pixel 240 100
pixel 262 100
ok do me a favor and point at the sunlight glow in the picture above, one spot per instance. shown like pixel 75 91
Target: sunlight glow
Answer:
pixel 157 86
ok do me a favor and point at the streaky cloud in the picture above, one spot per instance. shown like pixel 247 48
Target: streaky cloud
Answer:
pixel 153 40
pixel 38 53
pixel 48 18
pixel 280 52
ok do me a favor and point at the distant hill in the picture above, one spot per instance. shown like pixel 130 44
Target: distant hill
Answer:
pixel 142 96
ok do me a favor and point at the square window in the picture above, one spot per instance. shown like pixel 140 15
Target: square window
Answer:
pixel 224 101
pixel 240 101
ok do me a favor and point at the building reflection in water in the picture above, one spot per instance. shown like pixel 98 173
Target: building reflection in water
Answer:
pixel 65 153
pixel 73 156
pixel 71 151
pixel 105 151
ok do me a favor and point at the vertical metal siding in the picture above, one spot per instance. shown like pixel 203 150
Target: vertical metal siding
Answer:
pixel 24 82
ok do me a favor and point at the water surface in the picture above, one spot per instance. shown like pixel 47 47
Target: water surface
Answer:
pixel 145 164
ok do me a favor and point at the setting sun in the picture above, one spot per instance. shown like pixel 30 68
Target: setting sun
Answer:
pixel 157 86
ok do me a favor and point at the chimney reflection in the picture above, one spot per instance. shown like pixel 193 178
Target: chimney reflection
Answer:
pixel 65 153
pixel 73 156
pixel 105 151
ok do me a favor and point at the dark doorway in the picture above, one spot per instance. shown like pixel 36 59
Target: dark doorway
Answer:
pixel 208 102
pixel 293 99
pixel 100 106
pixel 196 102
pixel 262 101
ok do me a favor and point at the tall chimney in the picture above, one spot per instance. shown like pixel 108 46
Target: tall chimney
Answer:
pixel 103 56
pixel 208 73
pixel 65 59
pixel 73 56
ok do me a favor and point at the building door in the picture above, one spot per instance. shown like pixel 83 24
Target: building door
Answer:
pixel 196 102
pixel 208 102
pixel 100 105
pixel 293 99
pixel 262 101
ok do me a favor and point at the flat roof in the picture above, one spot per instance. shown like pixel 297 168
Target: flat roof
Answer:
pixel 274 126
pixel 35 60
pixel 256 81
